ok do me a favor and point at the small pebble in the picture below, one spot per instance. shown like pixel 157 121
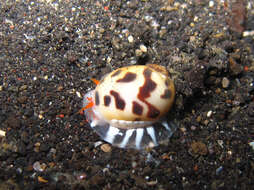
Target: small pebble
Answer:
pixel 37 166
pixel 193 128
pixel 154 24
pixel 52 150
pixel 81 176
pixel 199 148
pixel 237 160
pixel 218 90
pixel 98 143
pixel 248 33
pixel 209 113
pixel 220 142
pixel 195 19
pixel 37 147
pixel 143 48
pixel 42 180
pixel 199 118
pixel 2 133
pixel 134 164
pixel 37 144
pixel 78 94
pixel 163 31
pixel 234 67
pixel 19 170
pixel 138 52
pixel 130 39
pixel 105 170
pixel 225 82
pixel 183 129
pixel 152 183
pixel 106 148
pixel 60 88
pixel 218 170
pixel 206 122
pixel 109 60
pixel 252 145
pixel 211 3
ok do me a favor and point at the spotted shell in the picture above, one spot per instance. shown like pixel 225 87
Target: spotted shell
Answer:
pixel 130 104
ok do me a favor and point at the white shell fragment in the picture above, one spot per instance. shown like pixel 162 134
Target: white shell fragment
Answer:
pixel 252 145
pixel 2 133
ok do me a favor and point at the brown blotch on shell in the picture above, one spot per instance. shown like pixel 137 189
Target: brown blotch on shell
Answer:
pixel 153 112
pixel 117 72
pixel 119 102
pixel 145 91
pixel 148 86
pixel 128 77
pixel 97 99
pixel 137 108
pixel 107 100
pixel 167 94
pixel 167 83
pixel 158 68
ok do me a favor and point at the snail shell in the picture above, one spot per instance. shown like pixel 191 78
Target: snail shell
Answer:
pixel 130 104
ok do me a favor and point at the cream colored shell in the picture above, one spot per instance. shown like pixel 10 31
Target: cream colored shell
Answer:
pixel 135 93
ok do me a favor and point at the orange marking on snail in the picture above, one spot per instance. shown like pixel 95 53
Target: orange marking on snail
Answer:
pixel 95 81
pixel 89 105
pixel 60 116
pixel 90 100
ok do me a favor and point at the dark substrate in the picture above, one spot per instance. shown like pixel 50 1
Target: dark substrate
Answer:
pixel 49 50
